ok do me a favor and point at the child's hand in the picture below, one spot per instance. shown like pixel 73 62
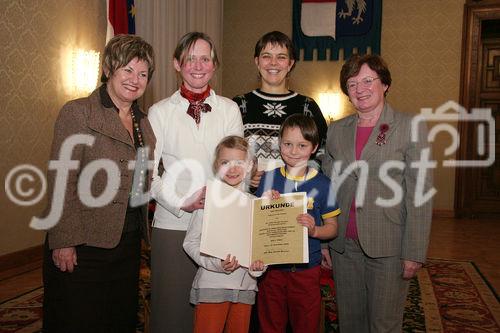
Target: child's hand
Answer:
pixel 230 264
pixel 271 194
pixel 307 221
pixel 255 181
pixel 257 265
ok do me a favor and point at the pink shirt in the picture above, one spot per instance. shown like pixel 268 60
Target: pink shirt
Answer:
pixel 362 135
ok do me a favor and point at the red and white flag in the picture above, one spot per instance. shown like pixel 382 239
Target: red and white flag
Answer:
pixel 318 17
pixel 119 13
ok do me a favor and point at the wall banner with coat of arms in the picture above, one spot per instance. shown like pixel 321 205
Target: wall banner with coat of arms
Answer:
pixel 335 25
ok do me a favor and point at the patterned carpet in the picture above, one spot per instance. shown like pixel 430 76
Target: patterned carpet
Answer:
pixel 456 298
pixel 22 314
pixel 448 296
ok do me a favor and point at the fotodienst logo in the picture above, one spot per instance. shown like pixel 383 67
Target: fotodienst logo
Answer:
pixel 454 112
pixel 26 185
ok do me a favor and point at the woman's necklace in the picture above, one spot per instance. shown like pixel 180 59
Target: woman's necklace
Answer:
pixel 141 166
pixel 137 129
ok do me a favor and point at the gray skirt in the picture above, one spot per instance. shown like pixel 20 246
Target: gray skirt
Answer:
pixel 172 274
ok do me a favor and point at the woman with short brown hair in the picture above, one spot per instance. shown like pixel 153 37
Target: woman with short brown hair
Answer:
pixel 92 255
pixel 383 231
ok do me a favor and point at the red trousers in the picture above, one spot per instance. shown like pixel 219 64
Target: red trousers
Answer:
pixel 289 296
pixel 222 317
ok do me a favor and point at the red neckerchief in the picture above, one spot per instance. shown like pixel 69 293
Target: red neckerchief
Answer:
pixel 196 102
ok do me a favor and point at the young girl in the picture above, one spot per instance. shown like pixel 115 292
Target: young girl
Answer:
pixel 222 291
pixel 292 292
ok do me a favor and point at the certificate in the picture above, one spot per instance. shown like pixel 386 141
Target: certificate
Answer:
pixel 253 228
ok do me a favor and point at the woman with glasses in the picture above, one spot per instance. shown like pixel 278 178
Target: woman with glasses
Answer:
pixel 384 228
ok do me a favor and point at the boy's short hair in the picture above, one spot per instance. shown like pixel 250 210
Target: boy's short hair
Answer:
pixel 306 125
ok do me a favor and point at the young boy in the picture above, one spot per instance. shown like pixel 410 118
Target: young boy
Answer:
pixel 292 292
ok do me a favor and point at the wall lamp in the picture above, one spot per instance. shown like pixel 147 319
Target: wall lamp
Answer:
pixel 84 71
pixel 329 102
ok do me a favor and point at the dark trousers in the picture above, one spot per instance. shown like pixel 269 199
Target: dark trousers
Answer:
pixel 172 274
pixel 100 296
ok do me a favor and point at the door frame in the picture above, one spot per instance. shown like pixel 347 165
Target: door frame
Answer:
pixel 475 11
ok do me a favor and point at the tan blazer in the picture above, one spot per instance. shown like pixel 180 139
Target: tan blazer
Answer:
pixel 401 229
pixel 101 226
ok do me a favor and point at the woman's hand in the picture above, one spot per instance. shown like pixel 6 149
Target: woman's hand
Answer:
pixel 307 221
pixel 64 258
pixel 257 265
pixel 271 194
pixel 196 201
pixel 410 269
pixel 230 264
pixel 326 259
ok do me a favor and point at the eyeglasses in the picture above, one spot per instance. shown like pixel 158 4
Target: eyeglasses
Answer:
pixel 365 83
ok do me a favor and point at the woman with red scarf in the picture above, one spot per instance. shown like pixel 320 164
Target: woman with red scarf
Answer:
pixel 188 126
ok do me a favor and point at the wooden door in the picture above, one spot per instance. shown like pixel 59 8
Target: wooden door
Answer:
pixel 477 190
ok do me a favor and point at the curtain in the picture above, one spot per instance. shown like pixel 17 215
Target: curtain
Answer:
pixel 162 23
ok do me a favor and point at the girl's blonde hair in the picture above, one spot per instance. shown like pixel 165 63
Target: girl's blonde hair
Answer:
pixel 235 142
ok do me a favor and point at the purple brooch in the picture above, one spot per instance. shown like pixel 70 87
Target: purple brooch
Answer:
pixel 381 135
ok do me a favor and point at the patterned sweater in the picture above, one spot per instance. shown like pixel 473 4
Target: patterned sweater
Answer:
pixel 263 114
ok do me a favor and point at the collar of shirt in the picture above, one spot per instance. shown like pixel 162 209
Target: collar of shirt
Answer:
pixel 107 102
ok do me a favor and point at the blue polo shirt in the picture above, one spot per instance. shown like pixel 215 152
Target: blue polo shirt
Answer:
pixel 321 203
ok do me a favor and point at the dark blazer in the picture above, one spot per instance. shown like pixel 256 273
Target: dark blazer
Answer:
pixel 402 229
pixel 95 226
